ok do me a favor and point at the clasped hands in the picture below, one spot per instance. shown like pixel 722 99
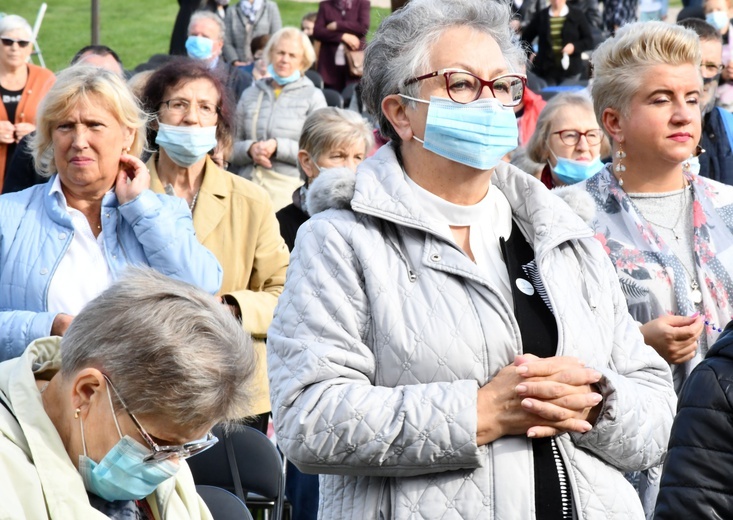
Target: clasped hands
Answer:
pixel 538 397
pixel 10 133
pixel 261 151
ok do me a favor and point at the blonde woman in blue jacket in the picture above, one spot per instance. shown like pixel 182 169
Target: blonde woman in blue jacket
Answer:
pixel 63 242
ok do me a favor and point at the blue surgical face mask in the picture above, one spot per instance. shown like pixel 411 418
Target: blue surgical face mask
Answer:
pixel 295 76
pixel 718 19
pixel 122 474
pixel 476 134
pixel 199 47
pixel 572 172
pixel 186 145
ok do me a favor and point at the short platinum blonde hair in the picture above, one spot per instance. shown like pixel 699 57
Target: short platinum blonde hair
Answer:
pixel 13 22
pixel 208 15
pixel 329 127
pixel 169 348
pixel 400 49
pixel 620 63
pixel 291 33
pixel 77 85
pixel 538 149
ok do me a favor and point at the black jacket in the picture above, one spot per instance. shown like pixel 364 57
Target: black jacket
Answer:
pixel 697 481
pixel 717 161
pixel 575 30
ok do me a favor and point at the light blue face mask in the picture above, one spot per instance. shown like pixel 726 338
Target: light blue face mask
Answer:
pixel 572 172
pixel 295 76
pixel 122 474
pixel 186 145
pixel 199 47
pixel 717 19
pixel 476 134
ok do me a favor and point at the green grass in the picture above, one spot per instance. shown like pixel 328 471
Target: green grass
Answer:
pixel 136 29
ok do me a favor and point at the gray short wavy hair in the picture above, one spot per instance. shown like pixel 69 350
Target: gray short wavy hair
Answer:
pixel 401 46
pixel 75 85
pixel 329 127
pixel 208 15
pixel 13 22
pixel 619 63
pixel 169 348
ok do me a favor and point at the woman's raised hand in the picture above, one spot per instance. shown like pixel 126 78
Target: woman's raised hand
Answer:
pixel 133 178
pixel 674 337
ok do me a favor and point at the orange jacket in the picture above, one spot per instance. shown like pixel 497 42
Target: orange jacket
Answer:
pixel 39 82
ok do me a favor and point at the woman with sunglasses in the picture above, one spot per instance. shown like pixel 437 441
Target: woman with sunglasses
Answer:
pixel 452 342
pixel 103 419
pixel 568 141
pixel 22 86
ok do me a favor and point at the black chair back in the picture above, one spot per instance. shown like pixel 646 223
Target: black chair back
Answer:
pixel 222 504
pixel 314 77
pixel 333 98
pixel 244 462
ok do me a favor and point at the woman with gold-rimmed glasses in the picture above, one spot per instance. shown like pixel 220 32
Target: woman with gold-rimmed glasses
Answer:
pixel 73 447
pixel 450 334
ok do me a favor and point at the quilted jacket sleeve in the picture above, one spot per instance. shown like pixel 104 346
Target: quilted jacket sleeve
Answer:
pixel 287 148
pixel 242 140
pixel 698 467
pixel 164 228
pixel 330 414
pixel 632 430
pixel 19 328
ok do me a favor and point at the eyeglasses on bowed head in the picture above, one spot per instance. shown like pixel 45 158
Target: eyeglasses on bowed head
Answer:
pixel 464 87
pixel 159 453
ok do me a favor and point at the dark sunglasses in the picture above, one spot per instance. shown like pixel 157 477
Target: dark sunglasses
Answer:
pixel 8 42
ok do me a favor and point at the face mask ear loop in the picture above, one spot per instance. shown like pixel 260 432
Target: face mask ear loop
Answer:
pixel 114 417
pixel 83 440
pixel 313 160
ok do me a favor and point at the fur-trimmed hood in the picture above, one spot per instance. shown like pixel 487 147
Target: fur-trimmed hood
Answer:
pixel 579 200
pixel 333 188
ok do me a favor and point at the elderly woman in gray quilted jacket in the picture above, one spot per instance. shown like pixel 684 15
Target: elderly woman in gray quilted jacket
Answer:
pixel 271 114
pixel 452 341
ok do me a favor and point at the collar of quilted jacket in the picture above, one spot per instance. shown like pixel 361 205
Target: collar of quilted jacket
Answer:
pixel 379 189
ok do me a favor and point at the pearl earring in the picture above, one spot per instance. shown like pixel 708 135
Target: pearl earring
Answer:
pixel 619 167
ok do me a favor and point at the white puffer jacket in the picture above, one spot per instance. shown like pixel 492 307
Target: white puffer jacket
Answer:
pixel 385 331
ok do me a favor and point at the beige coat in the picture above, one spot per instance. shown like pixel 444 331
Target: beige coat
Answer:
pixel 37 479
pixel 234 219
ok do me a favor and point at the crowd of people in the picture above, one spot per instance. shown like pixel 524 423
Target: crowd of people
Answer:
pixel 495 285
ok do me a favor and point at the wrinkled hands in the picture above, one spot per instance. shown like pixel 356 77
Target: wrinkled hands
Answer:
pixel 538 398
pixel 261 151
pixel 673 337
pixel 133 178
